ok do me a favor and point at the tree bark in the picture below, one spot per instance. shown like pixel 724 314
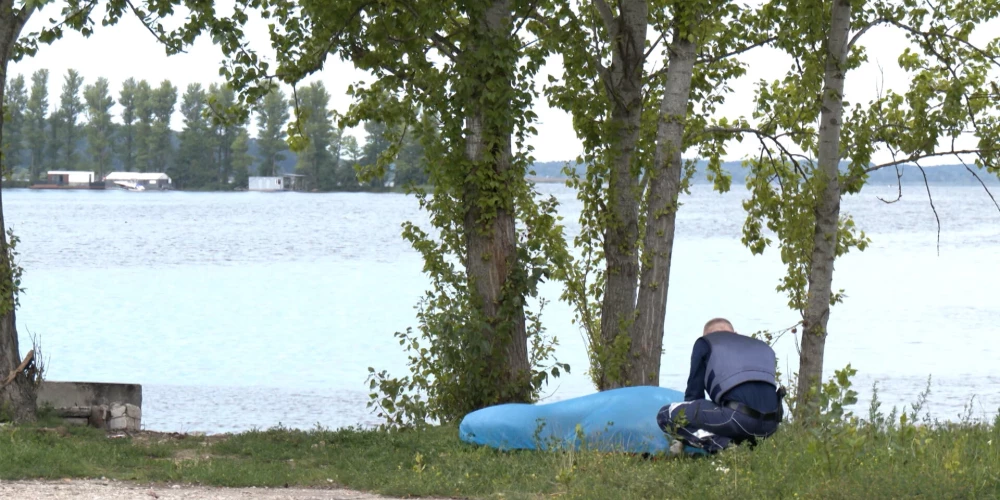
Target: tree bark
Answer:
pixel 623 83
pixel 661 216
pixel 827 211
pixel 17 399
pixel 492 245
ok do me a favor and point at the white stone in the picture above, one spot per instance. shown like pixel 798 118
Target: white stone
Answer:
pixel 133 411
pixel 117 410
pixel 118 423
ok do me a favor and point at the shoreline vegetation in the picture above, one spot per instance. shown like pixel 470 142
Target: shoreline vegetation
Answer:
pixel 899 454
pixel 551 173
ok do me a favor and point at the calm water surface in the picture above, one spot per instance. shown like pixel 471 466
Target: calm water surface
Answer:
pixel 242 310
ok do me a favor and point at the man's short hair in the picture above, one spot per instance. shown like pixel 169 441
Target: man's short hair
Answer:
pixel 714 323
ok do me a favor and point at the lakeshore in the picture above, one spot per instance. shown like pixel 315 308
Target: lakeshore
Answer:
pixel 888 457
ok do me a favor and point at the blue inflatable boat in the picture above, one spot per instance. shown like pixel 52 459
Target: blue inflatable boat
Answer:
pixel 617 420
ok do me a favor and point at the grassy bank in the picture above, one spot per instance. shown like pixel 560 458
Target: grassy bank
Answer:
pixel 887 457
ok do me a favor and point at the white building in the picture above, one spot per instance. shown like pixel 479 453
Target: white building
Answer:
pixel 286 182
pixel 138 181
pixel 69 177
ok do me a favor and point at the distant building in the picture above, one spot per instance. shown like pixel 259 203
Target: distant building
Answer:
pixel 138 181
pixel 286 182
pixel 68 179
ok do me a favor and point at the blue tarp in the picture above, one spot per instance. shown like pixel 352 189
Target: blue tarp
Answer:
pixel 621 420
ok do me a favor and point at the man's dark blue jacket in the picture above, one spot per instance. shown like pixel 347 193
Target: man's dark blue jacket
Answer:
pixel 760 396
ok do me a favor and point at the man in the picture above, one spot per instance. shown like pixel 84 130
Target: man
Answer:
pixel 738 372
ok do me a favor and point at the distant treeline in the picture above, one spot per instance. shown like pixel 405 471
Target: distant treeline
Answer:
pixel 942 174
pixel 78 132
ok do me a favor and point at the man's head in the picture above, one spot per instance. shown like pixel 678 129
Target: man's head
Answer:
pixel 718 324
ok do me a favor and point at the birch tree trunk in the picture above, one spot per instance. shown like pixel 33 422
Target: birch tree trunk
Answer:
pixel 623 83
pixel 827 210
pixel 661 216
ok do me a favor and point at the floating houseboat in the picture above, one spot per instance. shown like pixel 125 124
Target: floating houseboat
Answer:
pixel 286 182
pixel 138 181
pixel 68 179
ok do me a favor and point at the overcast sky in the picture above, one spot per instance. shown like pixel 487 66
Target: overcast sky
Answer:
pixel 128 50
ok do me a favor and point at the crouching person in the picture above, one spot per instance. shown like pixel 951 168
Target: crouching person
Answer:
pixel 744 404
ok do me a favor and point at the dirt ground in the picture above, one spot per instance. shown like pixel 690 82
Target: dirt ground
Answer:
pixel 106 489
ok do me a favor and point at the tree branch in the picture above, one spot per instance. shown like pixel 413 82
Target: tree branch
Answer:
pixel 656 74
pixel 738 51
pixel 928 36
pixel 931 200
pixel 149 28
pixel 899 185
pixel 917 157
pixel 854 39
pixel 974 174
pixel 594 57
pixel 653 46
pixel 760 158
pixel 25 364
pixel 26 12
pixel 607 16
pixel 449 48
pixel 22 18
pixel 532 11
pixel 793 157
pixel 335 37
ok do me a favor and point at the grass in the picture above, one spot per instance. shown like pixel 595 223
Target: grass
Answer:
pixel 883 456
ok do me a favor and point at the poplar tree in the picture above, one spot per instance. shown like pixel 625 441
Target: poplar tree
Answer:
pixel 142 100
pixel 36 117
pixel 15 106
pixel 70 109
pixel 194 165
pixel 162 101
pixel 638 106
pixel 316 159
pixel 99 128
pixel 272 116
pixel 127 136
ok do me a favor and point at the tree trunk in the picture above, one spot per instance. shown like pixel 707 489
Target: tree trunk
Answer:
pixel 17 399
pixel 623 84
pixel 491 244
pixel 827 211
pixel 661 215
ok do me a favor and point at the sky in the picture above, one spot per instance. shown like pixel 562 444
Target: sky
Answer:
pixel 129 50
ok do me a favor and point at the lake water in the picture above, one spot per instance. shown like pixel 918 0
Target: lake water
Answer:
pixel 243 310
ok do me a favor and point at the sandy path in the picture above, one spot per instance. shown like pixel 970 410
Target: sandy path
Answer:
pixel 101 489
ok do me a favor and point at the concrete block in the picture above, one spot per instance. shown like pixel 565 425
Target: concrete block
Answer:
pixel 111 406
pixel 67 394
